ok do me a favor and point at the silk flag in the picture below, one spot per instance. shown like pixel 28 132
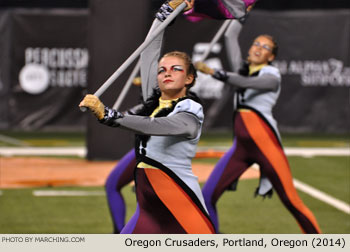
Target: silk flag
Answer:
pixel 218 9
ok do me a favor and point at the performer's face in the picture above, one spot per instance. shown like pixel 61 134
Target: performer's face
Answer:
pixel 173 77
pixel 261 51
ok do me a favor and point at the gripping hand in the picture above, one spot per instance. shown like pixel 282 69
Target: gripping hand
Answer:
pixel 175 3
pixel 137 81
pixel 93 103
pixel 169 6
pixel 217 74
pixel 202 67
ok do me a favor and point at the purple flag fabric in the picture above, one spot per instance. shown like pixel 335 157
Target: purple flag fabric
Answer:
pixel 218 9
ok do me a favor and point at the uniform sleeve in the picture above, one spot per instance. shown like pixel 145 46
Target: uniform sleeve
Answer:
pixel 232 46
pixel 133 110
pixel 185 120
pixel 149 63
pixel 268 79
pixel 180 124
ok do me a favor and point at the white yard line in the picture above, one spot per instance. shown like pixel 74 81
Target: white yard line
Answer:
pixel 81 151
pixel 295 151
pixel 313 192
pixel 340 205
pixel 311 152
pixel 43 151
pixel 53 193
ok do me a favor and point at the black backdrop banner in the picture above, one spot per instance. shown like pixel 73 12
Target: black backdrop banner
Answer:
pixel 49 62
pixel 5 42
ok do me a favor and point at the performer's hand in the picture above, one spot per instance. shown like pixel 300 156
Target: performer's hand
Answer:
pixel 93 103
pixel 169 6
pixel 250 7
pixel 202 67
pixel 175 3
pixel 137 81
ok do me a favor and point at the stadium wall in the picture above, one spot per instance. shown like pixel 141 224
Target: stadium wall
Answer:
pixel 314 60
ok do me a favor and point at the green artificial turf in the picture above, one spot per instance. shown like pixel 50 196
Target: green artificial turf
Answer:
pixel 239 211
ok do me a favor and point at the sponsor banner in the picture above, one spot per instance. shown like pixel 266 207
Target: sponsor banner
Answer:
pixel 49 68
pixel 317 73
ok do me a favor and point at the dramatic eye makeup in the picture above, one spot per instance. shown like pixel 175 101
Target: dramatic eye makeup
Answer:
pixel 177 68
pixel 174 68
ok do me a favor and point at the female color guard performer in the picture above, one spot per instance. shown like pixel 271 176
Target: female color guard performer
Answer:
pixel 168 127
pixel 122 173
pixel 256 137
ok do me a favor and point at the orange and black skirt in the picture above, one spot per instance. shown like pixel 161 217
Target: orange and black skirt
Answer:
pixel 166 205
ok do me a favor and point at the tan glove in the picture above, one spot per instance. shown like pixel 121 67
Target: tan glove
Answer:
pixel 202 67
pixel 137 81
pixel 175 3
pixel 169 6
pixel 93 103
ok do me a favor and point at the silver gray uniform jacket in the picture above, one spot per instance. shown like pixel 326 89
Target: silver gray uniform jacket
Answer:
pixel 174 138
pixel 262 91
